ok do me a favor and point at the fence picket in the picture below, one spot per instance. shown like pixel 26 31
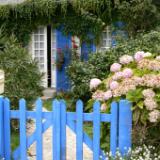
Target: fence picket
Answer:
pixel 1 128
pixel 96 131
pixel 114 129
pixel 56 130
pixel 7 131
pixel 39 145
pixel 63 129
pixel 23 137
pixel 120 130
pixel 125 126
pixel 79 130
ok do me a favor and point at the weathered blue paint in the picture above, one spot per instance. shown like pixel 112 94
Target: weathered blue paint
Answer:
pixel 64 44
pixel 23 137
pixel 39 148
pixel 125 126
pixel 114 129
pixel 79 130
pixel 58 118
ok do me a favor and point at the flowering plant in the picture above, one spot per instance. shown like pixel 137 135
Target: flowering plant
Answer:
pixel 137 79
pixel 138 153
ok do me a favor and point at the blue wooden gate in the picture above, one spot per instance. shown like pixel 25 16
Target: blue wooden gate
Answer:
pixel 120 128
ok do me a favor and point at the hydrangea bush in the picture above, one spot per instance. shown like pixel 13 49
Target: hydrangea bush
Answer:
pixel 136 78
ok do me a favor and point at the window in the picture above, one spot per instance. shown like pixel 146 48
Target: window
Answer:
pixel 39 50
pixel 106 40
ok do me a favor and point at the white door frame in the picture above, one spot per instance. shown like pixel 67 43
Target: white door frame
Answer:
pixel 53 58
pixel 39 52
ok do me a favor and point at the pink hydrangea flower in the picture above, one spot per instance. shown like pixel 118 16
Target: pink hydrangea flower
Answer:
pixel 117 76
pixel 114 85
pixel 115 67
pixel 148 93
pixel 154 116
pixel 126 59
pixel 127 73
pixel 139 56
pixel 103 107
pixel 107 95
pixel 94 83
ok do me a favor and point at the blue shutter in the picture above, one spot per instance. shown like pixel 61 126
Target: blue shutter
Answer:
pixel 63 43
pixel 86 49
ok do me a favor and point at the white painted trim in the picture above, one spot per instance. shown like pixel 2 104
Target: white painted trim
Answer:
pixel 45 78
pixel 53 59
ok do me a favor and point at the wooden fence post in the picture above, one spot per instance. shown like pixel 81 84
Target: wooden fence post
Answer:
pixel 23 137
pixel 1 127
pixel 56 142
pixel 7 130
pixel 125 126
pixel 79 130
pixel 63 129
pixel 96 130
pixel 114 128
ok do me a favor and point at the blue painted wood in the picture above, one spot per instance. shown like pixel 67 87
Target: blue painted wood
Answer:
pixel 96 131
pixel 1 128
pixel 23 137
pixel 64 44
pixel 79 130
pixel 31 139
pixel 125 126
pixel 114 129
pixel 63 129
pixel 86 139
pixel 59 118
pixel 87 117
pixel 56 130
pixel 7 132
pixel 39 145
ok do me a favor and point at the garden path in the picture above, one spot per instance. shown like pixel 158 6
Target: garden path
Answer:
pixel 47 145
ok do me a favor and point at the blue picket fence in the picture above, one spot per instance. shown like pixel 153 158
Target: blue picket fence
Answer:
pixel 120 120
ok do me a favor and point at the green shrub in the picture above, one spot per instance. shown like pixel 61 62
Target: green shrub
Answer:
pixel 22 77
pixel 98 64
pixel 81 72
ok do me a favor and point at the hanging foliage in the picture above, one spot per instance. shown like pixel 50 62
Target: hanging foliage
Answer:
pixel 77 17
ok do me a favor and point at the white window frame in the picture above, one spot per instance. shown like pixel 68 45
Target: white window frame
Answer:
pixel 53 58
pixel 107 39
pixel 45 71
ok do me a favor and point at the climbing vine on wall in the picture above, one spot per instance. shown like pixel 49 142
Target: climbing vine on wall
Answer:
pixel 75 17
pixel 78 17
